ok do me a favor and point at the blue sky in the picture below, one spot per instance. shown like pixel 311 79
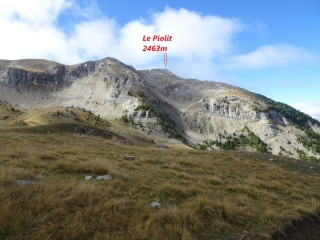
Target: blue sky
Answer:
pixel 268 47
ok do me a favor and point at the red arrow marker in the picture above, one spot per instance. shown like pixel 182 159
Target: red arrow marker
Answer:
pixel 165 59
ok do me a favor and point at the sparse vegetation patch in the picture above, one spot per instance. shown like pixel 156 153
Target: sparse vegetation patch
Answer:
pixel 247 137
pixel 163 119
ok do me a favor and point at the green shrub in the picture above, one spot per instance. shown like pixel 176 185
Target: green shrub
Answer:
pixel 125 118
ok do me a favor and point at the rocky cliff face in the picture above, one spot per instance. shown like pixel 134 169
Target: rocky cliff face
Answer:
pixel 100 86
pixel 199 110
pixel 22 73
pixel 205 110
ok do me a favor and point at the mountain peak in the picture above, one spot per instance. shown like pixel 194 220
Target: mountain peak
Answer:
pixel 157 99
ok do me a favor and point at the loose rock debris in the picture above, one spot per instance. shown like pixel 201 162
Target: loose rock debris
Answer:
pixel 155 205
pixel 162 146
pixel 23 182
pixel 104 177
pixel 129 158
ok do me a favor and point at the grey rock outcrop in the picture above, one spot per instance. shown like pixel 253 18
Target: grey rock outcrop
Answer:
pixel 23 182
pixel 104 177
pixel 155 205
pixel 129 158
pixel 162 146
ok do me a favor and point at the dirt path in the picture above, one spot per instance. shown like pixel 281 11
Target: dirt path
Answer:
pixel 307 229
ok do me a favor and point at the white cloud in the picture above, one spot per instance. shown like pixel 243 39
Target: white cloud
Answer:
pixel 32 12
pixel 195 35
pixel 196 40
pixel 92 39
pixel 31 31
pixel 260 27
pixel 199 42
pixel 312 109
pixel 270 56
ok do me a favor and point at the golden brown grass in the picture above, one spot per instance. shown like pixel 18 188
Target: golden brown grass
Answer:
pixel 33 69
pixel 204 195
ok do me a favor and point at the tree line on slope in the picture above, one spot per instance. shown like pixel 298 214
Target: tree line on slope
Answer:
pixel 303 156
pixel 233 142
pixel 163 120
pixel 299 119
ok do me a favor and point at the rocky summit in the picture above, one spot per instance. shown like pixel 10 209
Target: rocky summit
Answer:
pixel 156 103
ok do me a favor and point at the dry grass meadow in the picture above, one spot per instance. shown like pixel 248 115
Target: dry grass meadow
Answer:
pixel 203 194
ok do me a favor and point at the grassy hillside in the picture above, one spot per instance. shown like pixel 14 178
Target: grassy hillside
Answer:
pixel 9 115
pixel 204 195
